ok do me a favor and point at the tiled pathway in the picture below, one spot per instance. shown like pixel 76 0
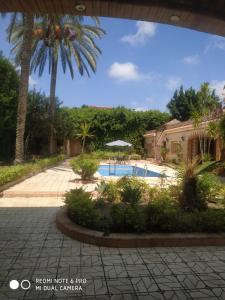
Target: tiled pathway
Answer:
pixel 31 248
pixel 53 182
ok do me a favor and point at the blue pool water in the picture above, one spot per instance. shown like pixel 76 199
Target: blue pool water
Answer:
pixel 125 170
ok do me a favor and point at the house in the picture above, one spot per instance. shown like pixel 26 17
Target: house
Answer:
pixel 184 140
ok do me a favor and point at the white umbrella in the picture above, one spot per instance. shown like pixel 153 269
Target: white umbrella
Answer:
pixel 119 143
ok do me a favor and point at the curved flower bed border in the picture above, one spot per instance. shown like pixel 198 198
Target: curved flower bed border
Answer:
pixel 127 240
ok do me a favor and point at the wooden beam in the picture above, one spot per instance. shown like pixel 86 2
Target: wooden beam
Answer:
pixel 202 15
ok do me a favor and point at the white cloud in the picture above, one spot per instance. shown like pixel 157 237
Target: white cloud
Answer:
pixel 127 72
pixel 173 83
pixel 191 60
pixel 218 86
pixel 145 30
pixel 216 42
pixel 32 82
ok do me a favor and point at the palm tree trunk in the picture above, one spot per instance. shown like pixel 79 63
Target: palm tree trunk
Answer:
pixel 52 140
pixel 23 87
pixel 209 145
pixel 83 144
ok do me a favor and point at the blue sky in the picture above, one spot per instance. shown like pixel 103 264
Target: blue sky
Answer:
pixel 141 65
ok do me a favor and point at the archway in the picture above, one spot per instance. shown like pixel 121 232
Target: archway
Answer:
pixel 203 15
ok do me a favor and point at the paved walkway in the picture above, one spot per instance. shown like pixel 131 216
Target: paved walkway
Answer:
pixel 53 182
pixel 31 248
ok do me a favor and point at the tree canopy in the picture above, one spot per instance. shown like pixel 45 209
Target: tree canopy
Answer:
pixel 184 102
pixel 9 86
pixel 110 124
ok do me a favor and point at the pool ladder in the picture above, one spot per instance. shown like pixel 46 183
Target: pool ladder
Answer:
pixel 145 170
pixel 135 170
pixel 112 173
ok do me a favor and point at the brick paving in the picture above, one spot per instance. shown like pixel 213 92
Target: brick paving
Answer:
pixel 31 248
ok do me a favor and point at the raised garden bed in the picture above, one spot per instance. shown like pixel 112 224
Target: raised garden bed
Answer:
pixel 128 240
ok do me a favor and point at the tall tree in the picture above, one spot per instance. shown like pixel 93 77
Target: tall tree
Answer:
pixel 9 87
pixel 184 102
pixel 23 59
pixel 64 38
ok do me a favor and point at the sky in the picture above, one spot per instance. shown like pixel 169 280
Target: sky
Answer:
pixel 141 65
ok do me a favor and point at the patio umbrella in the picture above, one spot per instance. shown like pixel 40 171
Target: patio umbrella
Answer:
pixel 119 143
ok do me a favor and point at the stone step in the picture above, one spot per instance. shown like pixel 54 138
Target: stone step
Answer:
pixel 13 194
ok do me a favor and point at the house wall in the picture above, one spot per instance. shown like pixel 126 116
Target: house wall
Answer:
pixel 180 138
pixel 150 146
pixel 72 147
pixel 188 140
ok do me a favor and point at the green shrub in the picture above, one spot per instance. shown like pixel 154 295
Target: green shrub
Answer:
pixel 81 208
pixel 105 154
pixel 85 167
pixel 127 218
pixel 190 198
pixel 209 187
pixel 207 157
pixel 211 220
pixel 161 215
pixel 14 172
pixel 109 191
pixel 131 194
pixel 135 156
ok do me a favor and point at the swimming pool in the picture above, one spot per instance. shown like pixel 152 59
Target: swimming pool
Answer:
pixel 126 170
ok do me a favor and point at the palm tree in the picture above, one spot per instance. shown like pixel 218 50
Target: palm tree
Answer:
pixel 23 59
pixel 84 134
pixel 61 38
pixel 64 38
pixel 190 199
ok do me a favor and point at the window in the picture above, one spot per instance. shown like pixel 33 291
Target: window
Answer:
pixel 175 147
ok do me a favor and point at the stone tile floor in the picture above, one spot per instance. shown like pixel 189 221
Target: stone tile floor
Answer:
pixel 31 248
pixel 53 182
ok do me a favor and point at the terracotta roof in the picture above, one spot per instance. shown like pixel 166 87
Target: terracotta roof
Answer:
pixel 177 124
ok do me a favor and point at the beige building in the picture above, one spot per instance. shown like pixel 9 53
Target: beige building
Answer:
pixel 177 139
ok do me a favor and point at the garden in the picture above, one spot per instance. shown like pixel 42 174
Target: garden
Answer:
pixel 131 205
pixel 34 128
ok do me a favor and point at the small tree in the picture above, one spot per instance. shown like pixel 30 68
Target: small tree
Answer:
pixel 84 134
pixel 209 102
pixel 190 199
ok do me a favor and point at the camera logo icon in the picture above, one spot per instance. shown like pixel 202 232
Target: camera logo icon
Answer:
pixel 24 284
